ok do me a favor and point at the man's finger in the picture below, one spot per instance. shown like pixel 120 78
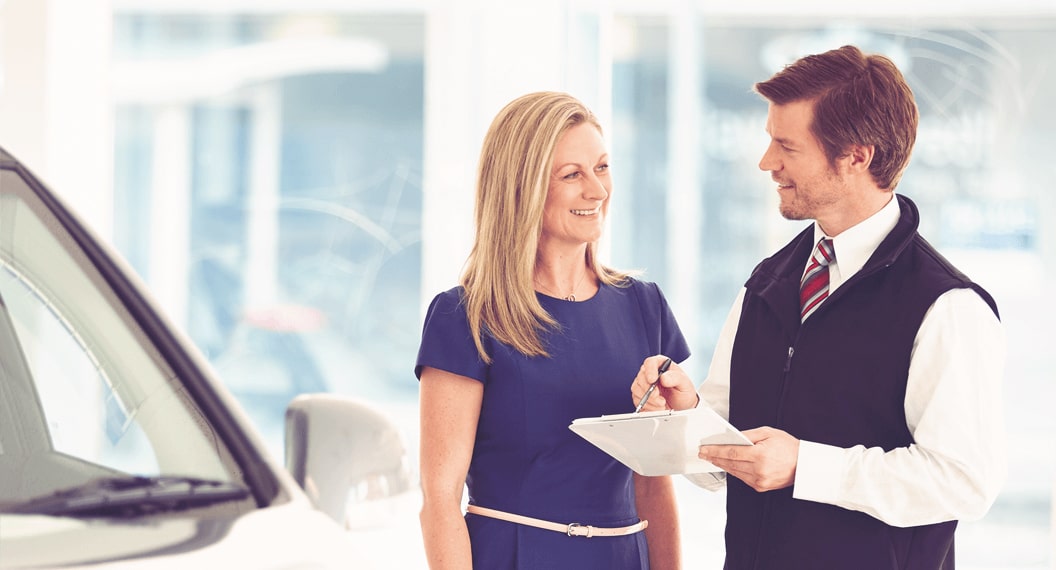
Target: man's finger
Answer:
pixel 758 434
pixel 730 452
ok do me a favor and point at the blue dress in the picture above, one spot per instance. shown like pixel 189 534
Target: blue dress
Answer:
pixel 525 460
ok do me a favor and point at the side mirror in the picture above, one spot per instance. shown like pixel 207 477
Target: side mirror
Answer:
pixel 347 456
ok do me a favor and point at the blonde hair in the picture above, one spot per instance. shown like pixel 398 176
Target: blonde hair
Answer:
pixel 512 183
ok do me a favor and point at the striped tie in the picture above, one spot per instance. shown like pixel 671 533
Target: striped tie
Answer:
pixel 814 286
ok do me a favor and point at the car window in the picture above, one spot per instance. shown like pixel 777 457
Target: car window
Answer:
pixel 83 391
pixel 84 416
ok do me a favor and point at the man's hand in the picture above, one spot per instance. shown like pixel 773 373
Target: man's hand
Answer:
pixel 769 464
pixel 675 391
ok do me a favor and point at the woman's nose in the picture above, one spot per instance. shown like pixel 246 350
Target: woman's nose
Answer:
pixel 597 188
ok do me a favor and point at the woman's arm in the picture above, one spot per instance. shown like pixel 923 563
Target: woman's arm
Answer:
pixel 450 408
pixel 655 498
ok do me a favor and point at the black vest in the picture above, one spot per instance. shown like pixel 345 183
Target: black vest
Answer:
pixel 784 375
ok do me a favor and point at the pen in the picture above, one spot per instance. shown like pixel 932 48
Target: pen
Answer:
pixel 663 368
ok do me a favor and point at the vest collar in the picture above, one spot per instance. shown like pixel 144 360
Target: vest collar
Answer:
pixel 776 278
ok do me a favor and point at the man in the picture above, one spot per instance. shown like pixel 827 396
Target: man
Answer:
pixel 864 367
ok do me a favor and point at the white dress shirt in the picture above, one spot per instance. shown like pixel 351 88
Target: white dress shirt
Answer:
pixel 957 463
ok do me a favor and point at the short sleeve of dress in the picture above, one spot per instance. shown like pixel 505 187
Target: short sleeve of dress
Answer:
pixel 446 340
pixel 659 318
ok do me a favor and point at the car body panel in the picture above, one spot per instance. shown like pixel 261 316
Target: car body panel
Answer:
pixel 260 539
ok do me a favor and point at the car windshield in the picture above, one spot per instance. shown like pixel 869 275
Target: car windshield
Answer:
pixel 84 393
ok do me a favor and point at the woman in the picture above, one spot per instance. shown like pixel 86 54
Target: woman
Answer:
pixel 540 333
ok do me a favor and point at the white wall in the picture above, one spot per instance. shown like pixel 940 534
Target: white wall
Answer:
pixel 55 108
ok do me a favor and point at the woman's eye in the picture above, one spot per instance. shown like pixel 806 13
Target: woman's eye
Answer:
pixel 571 175
pixel 602 167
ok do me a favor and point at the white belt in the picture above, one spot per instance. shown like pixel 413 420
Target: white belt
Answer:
pixel 571 529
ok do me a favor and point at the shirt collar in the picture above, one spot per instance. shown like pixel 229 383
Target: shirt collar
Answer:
pixel 855 245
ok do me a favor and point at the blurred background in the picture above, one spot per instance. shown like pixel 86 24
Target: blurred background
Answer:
pixel 293 179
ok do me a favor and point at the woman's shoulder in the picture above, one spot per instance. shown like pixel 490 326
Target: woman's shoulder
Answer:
pixel 639 285
pixel 448 302
pixel 645 291
pixel 636 281
pixel 452 295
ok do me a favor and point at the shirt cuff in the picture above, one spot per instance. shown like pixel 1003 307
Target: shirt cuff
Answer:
pixel 819 473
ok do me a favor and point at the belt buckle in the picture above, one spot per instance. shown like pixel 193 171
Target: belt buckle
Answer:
pixel 571 531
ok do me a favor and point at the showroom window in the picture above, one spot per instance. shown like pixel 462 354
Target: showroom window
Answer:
pixel 285 152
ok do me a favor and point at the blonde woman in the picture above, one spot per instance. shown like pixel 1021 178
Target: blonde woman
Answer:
pixel 538 333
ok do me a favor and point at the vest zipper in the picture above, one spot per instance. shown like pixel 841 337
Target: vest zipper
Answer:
pixel 760 543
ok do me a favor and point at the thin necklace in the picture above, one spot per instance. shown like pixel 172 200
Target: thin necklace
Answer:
pixel 571 297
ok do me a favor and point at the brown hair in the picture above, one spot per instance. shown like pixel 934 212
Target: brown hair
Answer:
pixel 858 99
pixel 512 183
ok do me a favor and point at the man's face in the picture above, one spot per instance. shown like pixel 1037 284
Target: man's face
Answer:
pixel 809 186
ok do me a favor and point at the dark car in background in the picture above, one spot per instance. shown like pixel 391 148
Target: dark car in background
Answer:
pixel 120 449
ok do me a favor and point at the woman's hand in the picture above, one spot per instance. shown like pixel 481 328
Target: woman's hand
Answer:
pixel 674 392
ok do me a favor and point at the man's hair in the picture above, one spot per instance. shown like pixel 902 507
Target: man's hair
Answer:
pixel 858 99
pixel 513 180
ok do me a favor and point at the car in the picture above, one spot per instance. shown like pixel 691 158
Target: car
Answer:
pixel 119 446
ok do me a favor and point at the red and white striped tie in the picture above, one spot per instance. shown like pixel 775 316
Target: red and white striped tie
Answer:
pixel 814 286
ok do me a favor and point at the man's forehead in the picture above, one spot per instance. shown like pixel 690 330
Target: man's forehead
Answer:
pixel 790 122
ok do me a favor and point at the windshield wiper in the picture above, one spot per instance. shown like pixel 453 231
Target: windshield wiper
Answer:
pixel 132 497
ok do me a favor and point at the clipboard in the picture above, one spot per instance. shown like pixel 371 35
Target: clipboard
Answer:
pixel 660 443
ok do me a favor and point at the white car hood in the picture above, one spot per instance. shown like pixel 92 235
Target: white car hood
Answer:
pixel 286 537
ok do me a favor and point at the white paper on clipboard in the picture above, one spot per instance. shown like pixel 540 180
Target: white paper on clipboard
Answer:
pixel 660 443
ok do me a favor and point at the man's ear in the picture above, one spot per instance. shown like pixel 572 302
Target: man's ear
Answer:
pixel 859 157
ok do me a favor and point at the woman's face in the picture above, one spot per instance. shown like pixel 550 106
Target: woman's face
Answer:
pixel 580 185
